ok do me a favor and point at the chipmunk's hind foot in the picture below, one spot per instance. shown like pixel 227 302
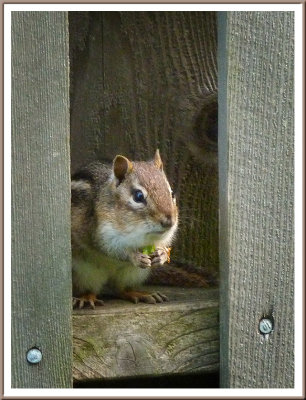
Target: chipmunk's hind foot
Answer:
pixel 91 299
pixel 145 297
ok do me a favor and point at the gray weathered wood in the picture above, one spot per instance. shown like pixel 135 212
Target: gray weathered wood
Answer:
pixel 41 277
pixel 256 67
pixel 142 80
pixel 122 339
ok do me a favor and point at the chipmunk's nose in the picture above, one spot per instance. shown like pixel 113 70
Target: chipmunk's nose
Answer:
pixel 167 221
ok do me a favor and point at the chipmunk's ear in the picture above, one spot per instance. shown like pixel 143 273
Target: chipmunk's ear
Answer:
pixel 158 161
pixel 121 167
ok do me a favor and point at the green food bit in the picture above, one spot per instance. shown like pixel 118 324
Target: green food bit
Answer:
pixel 148 250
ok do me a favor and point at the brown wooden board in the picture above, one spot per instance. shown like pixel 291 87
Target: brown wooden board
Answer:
pixel 147 80
pixel 41 260
pixel 256 148
pixel 121 339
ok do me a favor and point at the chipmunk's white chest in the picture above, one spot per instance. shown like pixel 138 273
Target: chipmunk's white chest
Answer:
pixel 119 242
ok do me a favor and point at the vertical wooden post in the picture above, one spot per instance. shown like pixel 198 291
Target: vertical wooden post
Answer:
pixel 256 69
pixel 41 277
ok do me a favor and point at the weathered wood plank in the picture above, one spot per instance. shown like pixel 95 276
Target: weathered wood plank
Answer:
pixel 122 339
pixel 142 80
pixel 256 139
pixel 41 272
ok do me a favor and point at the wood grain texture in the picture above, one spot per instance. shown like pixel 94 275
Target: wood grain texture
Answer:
pixel 256 195
pixel 122 339
pixel 41 271
pixel 142 80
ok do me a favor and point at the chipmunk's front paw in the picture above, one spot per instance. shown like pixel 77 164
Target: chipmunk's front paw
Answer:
pixel 80 302
pixel 159 257
pixel 141 260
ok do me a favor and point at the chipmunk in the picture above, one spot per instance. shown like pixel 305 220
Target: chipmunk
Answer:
pixel 116 211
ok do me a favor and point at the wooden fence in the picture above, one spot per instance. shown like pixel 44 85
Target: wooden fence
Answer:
pixel 255 169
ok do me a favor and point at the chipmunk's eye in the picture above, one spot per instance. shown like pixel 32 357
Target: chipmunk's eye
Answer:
pixel 138 196
pixel 173 194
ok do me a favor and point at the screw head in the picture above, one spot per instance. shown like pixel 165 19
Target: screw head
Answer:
pixel 265 326
pixel 34 356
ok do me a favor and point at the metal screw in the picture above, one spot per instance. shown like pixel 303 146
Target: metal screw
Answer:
pixel 34 356
pixel 265 326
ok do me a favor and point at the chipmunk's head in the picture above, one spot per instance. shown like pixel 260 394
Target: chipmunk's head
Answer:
pixel 145 210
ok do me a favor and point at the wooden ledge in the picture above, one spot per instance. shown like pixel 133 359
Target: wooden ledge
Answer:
pixel 122 339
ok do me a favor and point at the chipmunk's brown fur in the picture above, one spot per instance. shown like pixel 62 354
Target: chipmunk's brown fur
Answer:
pixel 116 211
